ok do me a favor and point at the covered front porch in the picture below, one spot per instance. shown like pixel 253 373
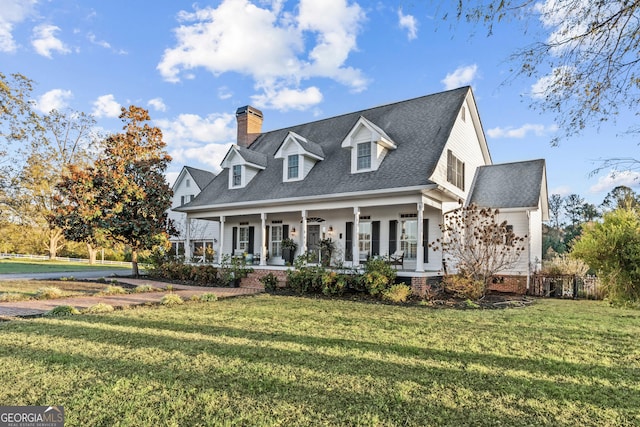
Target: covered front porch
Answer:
pixel 352 231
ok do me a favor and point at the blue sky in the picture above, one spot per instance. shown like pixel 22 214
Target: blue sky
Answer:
pixel 193 64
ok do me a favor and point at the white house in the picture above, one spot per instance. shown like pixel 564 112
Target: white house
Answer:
pixel 375 181
pixel 202 234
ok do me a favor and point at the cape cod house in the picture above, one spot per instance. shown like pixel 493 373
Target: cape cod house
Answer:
pixel 376 182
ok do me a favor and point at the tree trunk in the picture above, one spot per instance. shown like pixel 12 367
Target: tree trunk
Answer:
pixel 55 237
pixel 134 263
pixel 93 252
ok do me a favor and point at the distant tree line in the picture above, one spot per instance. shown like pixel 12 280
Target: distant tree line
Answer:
pixel 62 183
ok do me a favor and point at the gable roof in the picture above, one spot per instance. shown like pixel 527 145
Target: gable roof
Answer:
pixel 308 146
pixel 201 177
pixel 252 157
pixel 420 127
pixel 511 185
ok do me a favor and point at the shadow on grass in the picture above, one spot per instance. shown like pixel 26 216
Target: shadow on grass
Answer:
pixel 429 368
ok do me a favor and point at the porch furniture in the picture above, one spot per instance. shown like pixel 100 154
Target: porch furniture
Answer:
pixel 397 258
pixel 364 257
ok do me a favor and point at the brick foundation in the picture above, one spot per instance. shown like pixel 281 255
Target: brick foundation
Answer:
pixel 253 279
pixel 509 284
pixel 421 286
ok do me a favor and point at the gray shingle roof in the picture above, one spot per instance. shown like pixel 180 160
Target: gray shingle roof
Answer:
pixel 201 177
pixel 508 185
pixel 420 127
pixel 252 156
pixel 310 147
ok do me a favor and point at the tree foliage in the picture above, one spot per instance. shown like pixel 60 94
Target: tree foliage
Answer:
pixel 125 194
pixel 586 58
pixel 475 244
pixel 621 197
pixel 612 247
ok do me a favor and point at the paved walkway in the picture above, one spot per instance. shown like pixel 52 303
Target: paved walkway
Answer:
pixel 39 307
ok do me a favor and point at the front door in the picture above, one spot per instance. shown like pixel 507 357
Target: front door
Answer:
pixel 313 243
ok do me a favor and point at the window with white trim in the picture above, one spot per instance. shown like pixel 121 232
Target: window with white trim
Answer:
pixel 292 166
pixel 243 239
pixel 364 237
pixel 409 238
pixel 364 155
pixel 455 170
pixel 276 240
pixel 237 175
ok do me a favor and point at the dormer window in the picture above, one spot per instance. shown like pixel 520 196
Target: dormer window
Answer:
pixel 243 165
pixel 292 166
pixel 364 156
pixel 299 155
pixel 369 145
pixel 237 175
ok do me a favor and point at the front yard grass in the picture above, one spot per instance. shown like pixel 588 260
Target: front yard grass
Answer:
pixel 28 289
pixel 275 360
pixel 24 266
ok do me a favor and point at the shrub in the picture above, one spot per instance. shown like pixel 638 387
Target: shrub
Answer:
pixel 464 287
pixel 397 293
pixel 334 283
pixel 144 288
pixel 114 290
pixel 67 279
pixel 270 281
pixel 13 296
pixel 208 297
pixel 99 308
pixel 305 278
pixel 101 280
pixel 171 299
pixel 378 276
pixel 49 292
pixel 562 264
pixel 62 310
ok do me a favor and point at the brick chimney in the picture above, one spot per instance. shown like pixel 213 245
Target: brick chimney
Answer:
pixel 249 121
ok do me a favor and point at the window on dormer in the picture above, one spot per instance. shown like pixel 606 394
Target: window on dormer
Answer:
pixel 237 175
pixel 364 155
pixel 292 163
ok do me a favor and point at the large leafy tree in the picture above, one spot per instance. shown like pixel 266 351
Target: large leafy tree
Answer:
pixel 585 57
pixel 65 139
pixel 612 247
pixel 621 197
pixel 130 183
pixel 77 209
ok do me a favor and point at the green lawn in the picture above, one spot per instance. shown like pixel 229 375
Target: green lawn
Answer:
pixel 20 266
pixel 290 361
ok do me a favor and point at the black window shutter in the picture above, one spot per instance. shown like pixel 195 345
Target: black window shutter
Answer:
pixel 425 239
pixel 250 250
pixel 266 239
pixel 234 241
pixel 348 242
pixel 285 231
pixel 393 239
pixel 375 238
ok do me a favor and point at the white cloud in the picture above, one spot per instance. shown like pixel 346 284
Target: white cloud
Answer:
pixel 106 106
pixel 522 131
pixel 277 49
pixel 462 76
pixel 224 93
pixel 288 99
pixel 157 104
pixel 13 12
pixel 102 43
pixel 209 154
pixel 55 99
pixel 409 23
pixel 615 178
pixel 45 42
pixel 563 190
pixel 192 130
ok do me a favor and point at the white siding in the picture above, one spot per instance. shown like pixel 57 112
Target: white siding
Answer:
pixel 465 145
pixel 520 223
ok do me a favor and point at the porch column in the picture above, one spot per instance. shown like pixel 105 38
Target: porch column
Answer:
pixel 420 248
pixel 355 249
pixel 263 247
pixel 221 240
pixel 187 239
pixel 303 233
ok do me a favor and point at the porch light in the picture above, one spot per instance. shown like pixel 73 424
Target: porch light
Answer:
pixel 330 229
pixel 293 230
